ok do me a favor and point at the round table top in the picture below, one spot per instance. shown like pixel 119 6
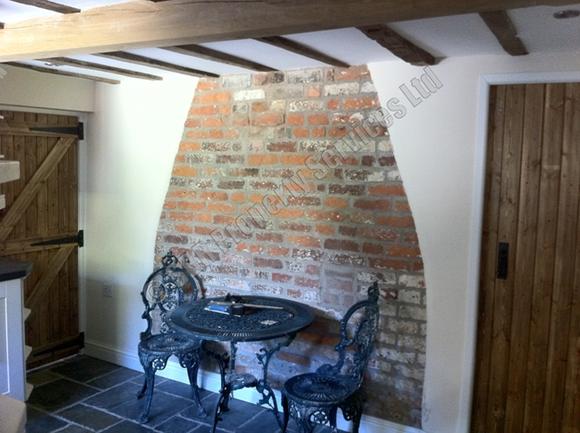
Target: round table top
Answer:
pixel 260 324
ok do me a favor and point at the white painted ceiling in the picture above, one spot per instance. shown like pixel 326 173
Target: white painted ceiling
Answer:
pixel 460 35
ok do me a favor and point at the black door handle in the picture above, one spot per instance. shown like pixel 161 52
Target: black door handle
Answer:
pixel 503 251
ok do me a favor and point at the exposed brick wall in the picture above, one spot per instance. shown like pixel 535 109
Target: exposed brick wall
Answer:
pixel 285 184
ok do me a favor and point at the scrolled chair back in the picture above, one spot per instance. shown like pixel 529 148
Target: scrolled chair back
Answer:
pixel 165 289
pixel 358 329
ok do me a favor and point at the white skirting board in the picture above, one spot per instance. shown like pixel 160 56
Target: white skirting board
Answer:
pixel 211 381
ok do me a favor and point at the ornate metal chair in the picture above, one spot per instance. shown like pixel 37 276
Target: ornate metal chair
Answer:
pixel 165 289
pixel 314 398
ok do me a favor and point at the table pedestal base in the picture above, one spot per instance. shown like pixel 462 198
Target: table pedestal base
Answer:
pixel 231 381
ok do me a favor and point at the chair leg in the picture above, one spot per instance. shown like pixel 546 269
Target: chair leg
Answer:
pixel 143 389
pixel 150 383
pixel 192 374
pixel 332 419
pixel 219 407
pixel 286 413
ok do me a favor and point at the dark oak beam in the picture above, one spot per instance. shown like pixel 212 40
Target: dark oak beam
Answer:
pixel 398 45
pixel 138 24
pixel 48 5
pixel 99 67
pixel 154 63
pixel 303 50
pixel 504 30
pixel 218 56
pixel 59 72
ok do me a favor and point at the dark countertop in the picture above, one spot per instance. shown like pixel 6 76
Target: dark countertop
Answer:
pixel 12 269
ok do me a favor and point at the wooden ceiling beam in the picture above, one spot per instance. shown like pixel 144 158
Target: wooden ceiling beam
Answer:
pixel 45 70
pixel 303 50
pixel 505 32
pixel 48 5
pixel 138 24
pixel 154 63
pixel 218 56
pixel 398 45
pixel 100 67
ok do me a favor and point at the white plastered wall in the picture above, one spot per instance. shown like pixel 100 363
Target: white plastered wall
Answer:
pixel 134 133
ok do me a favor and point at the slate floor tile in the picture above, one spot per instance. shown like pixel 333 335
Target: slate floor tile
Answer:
pixel 40 422
pixel 84 368
pixel 74 429
pixel 239 413
pixel 177 424
pixel 128 427
pixel 180 389
pixel 42 377
pixel 90 417
pixel 59 394
pixel 163 407
pixel 115 396
pixel 114 378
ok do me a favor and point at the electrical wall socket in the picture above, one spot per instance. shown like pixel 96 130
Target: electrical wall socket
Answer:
pixel 107 292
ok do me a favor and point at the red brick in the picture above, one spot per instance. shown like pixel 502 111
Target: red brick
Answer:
pixel 372 204
pixel 341 245
pixel 325 229
pixel 262 159
pixel 278 251
pixel 213 98
pixel 360 103
pixel 268 263
pixel 294 159
pixel 293 358
pixel 318 119
pixel 280 278
pixel 259 106
pixel 238 197
pixel 203 110
pixel 300 132
pixel 269 237
pixel 183 228
pixel 333 104
pixel 215 196
pixel 289 213
pixel 402 251
pixel 318 132
pixel 212 122
pixel 193 123
pixel 207 84
pixel 372 248
pixel 224 219
pixel 188 205
pixel 397 190
pixel 220 207
pixel 304 241
pixel 268 119
pixel 395 221
pixel 307 282
pixel 353 73
pixel 188 146
pixel 203 230
pixel 336 202
pixel 295 119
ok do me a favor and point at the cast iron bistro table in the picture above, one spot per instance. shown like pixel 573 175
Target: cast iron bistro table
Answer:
pixel 280 324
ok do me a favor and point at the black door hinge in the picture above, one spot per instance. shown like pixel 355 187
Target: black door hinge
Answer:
pixel 78 130
pixel 79 239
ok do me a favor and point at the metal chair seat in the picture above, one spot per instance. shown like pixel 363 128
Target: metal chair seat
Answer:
pixel 174 343
pixel 314 398
pixel 320 389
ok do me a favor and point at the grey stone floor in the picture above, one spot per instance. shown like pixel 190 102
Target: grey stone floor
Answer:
pixel 89 395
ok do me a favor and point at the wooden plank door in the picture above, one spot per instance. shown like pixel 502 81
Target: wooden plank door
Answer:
pixel 40 225
pixel 528 346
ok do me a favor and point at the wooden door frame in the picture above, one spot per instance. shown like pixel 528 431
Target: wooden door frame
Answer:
pixel 476 223
pixel 82 199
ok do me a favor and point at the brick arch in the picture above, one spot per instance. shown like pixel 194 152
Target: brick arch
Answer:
pixel 285 184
